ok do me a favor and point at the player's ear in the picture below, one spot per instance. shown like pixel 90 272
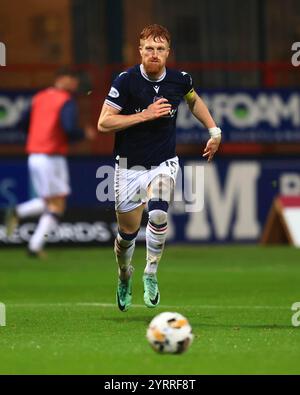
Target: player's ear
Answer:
pixel 140 49
pixel 168 52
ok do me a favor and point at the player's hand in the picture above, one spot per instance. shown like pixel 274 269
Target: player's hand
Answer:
pixel 158 109
pixel 211 147
pixel 90 132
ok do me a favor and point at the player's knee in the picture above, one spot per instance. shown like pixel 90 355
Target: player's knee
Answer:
pixel 158 212
pixel 158 217
pixel 127 235
pixel 56 205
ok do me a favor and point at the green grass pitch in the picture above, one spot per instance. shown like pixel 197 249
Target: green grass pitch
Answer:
pixel 61 316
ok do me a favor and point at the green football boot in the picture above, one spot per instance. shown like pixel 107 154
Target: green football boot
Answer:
pixel 151 291
pixel 124 293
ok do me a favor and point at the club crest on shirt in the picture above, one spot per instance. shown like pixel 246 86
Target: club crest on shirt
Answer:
pixel 113 92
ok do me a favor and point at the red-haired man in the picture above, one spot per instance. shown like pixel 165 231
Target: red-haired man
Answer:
pixel 142 107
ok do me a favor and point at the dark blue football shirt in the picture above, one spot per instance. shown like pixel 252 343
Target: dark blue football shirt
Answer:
pixel 147 143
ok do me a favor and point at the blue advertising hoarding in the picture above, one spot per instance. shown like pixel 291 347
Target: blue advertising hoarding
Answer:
pixel 13 104
pixel 258 116
pixel 266 116
pixel 234 199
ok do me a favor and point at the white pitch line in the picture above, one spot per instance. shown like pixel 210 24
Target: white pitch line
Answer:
pixel 96 304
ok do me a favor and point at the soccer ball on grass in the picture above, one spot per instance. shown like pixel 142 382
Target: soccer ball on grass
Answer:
pixel 170 333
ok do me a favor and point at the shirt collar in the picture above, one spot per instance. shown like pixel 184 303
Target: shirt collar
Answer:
pixel 144 74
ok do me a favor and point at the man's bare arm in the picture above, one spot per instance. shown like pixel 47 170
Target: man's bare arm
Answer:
pixel 201 112
pixel 199 109
pixel 110 119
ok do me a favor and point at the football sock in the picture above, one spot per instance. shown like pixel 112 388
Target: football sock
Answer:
pixel 31 208
pixel 124 248
pixel 156 234
pixel 47 223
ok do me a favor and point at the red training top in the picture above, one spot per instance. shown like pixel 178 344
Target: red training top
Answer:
pixel 46 134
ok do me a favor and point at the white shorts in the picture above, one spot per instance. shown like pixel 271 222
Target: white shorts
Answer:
pixel 49 175
pixel 131 185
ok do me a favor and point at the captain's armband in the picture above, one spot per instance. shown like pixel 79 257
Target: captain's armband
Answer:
pixel 190 96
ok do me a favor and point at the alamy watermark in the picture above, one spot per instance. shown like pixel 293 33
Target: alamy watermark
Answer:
pixel 296 56
pixel 2 314
pixel 2 54
pixel 296 316
pixel 137 184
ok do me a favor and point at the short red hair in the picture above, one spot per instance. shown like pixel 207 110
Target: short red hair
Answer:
pixel 157 32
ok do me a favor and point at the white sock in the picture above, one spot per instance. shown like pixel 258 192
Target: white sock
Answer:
pixel 156 234
pixel 32 208
pixel 47 223
pixel 124 250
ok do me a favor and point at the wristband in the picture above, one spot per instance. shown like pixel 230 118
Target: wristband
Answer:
pixel 214 132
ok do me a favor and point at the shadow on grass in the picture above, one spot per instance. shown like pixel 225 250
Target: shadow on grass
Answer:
pixel 243 326
pixel 126 318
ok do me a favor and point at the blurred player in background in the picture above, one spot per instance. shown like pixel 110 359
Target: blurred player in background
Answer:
pixel 52 124
pixel 142 108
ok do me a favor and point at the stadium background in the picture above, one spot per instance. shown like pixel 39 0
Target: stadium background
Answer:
pixel 240 60
pixel 237 297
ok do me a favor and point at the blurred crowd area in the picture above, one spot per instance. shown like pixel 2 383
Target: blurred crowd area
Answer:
pixel 103 32
pixel 224 44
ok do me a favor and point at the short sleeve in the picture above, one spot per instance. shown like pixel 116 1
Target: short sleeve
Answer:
pixel 118 94
pixel 188 83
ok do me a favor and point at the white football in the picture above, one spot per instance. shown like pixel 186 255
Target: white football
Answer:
pixel 170 333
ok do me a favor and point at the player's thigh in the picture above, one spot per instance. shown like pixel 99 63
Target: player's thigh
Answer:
pixel 130 222
pixel 129 194
pixel 161 188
